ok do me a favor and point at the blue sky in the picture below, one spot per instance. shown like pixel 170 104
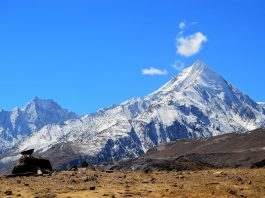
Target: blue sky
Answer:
pixel 91 54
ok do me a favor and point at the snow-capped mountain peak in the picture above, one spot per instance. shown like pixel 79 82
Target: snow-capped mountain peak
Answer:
pixel 41 104
pixel 38 103
pixel 197 74
pixel 196 103
pixel 21 123
pixel 46 111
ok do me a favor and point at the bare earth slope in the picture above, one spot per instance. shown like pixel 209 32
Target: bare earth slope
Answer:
pixel 87 183
pixel 229 150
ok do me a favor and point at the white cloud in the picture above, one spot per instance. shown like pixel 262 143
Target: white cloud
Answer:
pixel 194 23
pixel 178 65
pixel 190 45
pixel 182 25
pixel 181 32
pixel 154 71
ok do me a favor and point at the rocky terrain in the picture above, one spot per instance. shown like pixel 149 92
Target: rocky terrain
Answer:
pixel 89 183
pixel 231 150
pixel 234 167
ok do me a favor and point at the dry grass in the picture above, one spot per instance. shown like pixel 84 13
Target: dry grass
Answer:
pixel 88 183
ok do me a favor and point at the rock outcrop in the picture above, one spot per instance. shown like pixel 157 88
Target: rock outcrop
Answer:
pixel 31 165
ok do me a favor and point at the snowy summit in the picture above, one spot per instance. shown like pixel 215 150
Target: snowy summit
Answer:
pixel 196 103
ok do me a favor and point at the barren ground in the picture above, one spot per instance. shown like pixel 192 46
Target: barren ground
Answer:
pixel 89 183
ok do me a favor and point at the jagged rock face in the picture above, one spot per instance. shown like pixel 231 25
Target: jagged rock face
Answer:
pixel 196 103
pixel 21 123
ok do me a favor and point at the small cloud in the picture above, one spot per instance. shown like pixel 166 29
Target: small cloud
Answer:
pixel 154 71
pixel 194 23
pixel 181 32
pixel 182 25
pixel 178 65
pixel 190 45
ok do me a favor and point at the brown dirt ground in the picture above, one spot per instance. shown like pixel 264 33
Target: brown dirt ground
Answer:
pixel 81 183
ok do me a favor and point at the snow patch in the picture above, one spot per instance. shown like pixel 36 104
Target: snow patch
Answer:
pixel 9 159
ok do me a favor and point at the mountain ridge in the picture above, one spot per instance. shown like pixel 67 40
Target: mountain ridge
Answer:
pixel 20 123
pixel 196 103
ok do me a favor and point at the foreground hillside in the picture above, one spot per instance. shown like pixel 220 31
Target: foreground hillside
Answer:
pixel 89 183
pixel 231 150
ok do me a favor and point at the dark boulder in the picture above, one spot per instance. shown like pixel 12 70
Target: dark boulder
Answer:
pixel 29 164
pixel 259 164
pixel 27 152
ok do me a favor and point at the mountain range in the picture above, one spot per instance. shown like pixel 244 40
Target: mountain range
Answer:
pixel 196 103
pixel 19 123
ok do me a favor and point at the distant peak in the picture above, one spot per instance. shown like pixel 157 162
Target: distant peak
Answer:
pixel 198 65
pixel 199 68
pixel 40 103
pixel 196 69
pixel 36 98
pixel 39 100
pixel 197 74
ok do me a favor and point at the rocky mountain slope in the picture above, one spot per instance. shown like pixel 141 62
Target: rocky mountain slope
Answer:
pixel 224 151
pixel 196 103
pixel 19 123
